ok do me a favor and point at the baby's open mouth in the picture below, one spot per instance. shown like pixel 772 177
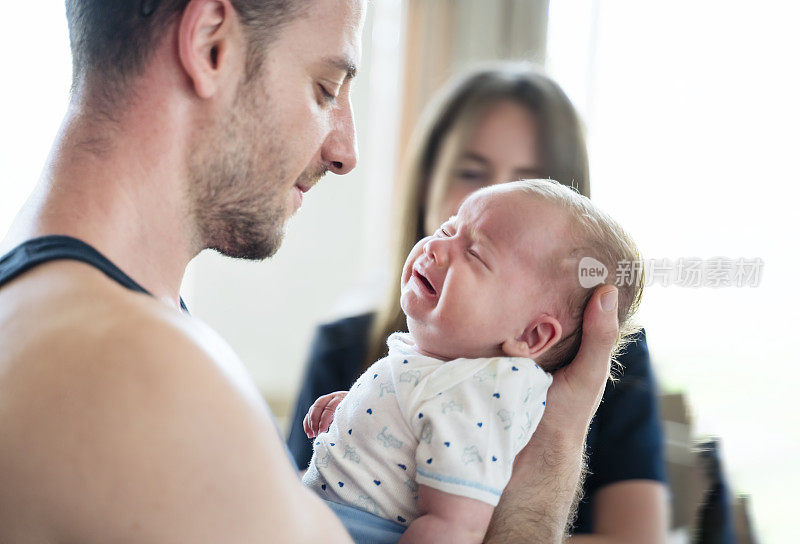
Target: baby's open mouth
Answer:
pixel 425 282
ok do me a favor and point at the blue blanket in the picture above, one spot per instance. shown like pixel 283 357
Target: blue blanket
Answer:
pixel 366 528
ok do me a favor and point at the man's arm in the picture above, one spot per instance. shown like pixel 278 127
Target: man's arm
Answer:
pixel 538 501
pixel 149 431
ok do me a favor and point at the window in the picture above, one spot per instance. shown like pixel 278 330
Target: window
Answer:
pixel 692 116
pixel 33 98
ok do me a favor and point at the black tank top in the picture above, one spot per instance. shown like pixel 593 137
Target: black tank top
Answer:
pixel 56 247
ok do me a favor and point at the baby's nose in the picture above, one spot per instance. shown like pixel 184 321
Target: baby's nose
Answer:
pixel 436 249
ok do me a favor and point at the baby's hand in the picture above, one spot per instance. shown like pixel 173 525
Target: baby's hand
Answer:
pixel 320 415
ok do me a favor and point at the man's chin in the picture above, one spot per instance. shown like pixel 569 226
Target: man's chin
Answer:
pixel 253 249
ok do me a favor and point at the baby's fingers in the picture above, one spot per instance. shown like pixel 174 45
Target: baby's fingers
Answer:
pixel 324 410
pixel 315 413
pixel 310 422
pixel 313 418
pixel 328 412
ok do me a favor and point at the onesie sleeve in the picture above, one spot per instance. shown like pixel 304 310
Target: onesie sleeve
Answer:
pixel 470 433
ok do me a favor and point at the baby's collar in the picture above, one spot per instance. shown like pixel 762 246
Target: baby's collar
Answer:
pixel 403 343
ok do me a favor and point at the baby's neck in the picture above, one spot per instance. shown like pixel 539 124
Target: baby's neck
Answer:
pixel 428 351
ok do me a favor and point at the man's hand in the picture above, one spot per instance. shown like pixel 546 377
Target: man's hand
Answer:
pixel 536 504
pixel 320 415
pixel 577 388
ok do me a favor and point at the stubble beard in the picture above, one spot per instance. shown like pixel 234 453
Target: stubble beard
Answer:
pixel 237 182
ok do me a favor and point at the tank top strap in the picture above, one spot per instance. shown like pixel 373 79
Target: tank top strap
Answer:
pixel 44 249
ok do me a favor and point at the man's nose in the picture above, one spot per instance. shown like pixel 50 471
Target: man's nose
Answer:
pixel 340 149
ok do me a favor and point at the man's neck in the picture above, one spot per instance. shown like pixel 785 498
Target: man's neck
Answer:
pixel 124 195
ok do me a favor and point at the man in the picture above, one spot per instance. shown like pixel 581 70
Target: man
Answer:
pixel 195 124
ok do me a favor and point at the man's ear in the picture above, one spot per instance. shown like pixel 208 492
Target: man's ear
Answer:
pixel 207 42
pixel 540 335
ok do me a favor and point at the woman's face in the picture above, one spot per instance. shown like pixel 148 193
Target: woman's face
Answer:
pixel 504 147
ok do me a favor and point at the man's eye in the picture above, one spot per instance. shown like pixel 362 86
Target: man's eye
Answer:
pixel 444 232
pixel 326 95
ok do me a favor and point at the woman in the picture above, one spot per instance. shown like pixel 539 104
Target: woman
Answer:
pixel 492 126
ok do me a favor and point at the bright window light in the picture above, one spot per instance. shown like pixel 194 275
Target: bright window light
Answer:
pixel 33 97
pixel 692 113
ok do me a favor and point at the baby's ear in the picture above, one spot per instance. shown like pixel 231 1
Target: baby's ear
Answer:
pixel 540 335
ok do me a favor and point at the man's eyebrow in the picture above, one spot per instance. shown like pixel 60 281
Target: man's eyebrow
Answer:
pixel 343 64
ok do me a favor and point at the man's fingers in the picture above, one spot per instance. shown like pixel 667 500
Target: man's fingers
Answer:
pixel 590 367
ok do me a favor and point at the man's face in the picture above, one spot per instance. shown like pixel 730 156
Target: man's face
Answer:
pixel 287 126
pixel 480 279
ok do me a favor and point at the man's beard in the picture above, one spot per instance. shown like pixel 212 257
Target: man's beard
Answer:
pixel 237 183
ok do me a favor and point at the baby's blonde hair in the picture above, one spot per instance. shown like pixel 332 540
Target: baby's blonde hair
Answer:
pixel 594 234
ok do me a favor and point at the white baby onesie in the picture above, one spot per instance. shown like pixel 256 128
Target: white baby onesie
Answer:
pixel 455 426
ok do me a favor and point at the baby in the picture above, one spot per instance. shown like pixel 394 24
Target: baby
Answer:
pixel 427 436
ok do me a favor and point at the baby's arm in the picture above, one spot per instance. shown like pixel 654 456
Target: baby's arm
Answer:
pixel 320 415
pixel 445 517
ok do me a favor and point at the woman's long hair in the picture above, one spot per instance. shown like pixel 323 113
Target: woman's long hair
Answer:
pixel 453 115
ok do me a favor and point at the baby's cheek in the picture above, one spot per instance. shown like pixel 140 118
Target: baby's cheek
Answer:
pixel 512 308
pixel 407 266
pixel 479 313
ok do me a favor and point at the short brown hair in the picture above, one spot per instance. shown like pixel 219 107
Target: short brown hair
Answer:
pixel 113 39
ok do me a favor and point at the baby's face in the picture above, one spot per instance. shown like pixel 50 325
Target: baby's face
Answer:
pixel 482 277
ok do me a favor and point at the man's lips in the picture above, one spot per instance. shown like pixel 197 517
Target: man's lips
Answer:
pixel 307 182
pixel 304 187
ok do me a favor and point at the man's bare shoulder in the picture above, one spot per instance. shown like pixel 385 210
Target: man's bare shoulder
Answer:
pixel 69 316
pixel 122 416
